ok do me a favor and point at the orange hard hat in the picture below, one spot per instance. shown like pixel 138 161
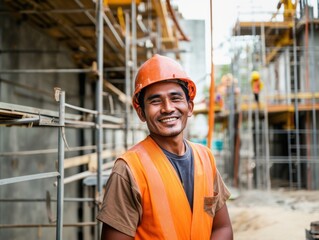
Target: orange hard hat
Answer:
pixel 160 68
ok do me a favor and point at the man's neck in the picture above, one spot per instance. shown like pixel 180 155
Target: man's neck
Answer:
pixel 172 144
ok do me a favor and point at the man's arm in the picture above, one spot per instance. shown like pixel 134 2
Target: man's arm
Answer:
pixel 109 233
pixel 222 228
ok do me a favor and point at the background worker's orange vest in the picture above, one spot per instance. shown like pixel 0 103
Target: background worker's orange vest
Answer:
pixel 166 211
pixel 257 86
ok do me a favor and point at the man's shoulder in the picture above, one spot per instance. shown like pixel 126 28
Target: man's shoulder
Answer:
pixel 130 154
pixel 139 144
pixel 198 145
pixel 202 150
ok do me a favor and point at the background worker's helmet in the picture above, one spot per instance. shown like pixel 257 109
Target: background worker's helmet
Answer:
pixel 160 68
pixel 254 76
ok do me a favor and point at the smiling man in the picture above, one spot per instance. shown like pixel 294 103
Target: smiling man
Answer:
pixel 165 187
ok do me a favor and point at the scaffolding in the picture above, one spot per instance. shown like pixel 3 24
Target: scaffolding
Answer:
pixel 283 129
pixel 106 40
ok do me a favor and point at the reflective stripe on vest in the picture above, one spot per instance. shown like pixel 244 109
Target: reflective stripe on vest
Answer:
pixel 166 211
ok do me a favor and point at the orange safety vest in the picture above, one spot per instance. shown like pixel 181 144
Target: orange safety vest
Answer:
pixel 256 86
pixel 166 211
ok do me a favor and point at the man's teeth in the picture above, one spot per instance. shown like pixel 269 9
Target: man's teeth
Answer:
pixel 168 119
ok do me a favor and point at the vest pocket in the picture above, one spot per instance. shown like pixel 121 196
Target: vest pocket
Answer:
pixel 210 204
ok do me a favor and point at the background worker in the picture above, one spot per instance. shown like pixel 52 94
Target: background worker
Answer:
pixel 256 85
pixel 165 187
pixel 289 9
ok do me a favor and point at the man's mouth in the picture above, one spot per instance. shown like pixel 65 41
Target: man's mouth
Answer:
pixel 168 119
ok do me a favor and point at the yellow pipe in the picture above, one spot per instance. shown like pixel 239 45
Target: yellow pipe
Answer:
pixel 120 16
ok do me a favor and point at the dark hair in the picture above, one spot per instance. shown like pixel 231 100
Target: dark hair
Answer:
pixel 141 94
pixel 140 98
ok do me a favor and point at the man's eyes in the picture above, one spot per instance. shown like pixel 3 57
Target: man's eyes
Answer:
pixel 173 99
pixel 155 101
pixel 177 98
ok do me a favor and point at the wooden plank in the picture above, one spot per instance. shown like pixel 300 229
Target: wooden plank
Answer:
pixel 6 115
pixel 161 12
pixel 90 158
pixel 120 2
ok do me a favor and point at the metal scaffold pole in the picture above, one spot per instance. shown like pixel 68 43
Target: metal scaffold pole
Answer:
pixel 257 144
pixel 312 61
pixel 99 96
pixel 296 105
pixel 127 77
pixel 267 177
pixel 134 55
pixel 99 101
pixel 211 111
pixel 60 178
pixel 313 90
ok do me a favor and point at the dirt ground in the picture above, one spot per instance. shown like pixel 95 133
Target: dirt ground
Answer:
pixel 274 215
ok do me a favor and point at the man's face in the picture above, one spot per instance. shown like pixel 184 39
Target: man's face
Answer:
pixel 166 109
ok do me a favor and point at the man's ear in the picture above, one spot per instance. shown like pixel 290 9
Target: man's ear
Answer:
pixel 190 108
pixel 140 114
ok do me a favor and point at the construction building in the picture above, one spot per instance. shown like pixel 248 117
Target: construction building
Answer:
pixel 274 143
pixel 66 70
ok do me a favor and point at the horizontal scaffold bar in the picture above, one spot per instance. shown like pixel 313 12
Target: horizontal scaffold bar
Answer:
pixel 28 178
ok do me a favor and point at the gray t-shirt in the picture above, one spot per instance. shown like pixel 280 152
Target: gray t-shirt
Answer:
pixel 184 166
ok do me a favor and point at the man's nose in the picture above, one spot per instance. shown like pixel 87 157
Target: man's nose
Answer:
pixel 167 106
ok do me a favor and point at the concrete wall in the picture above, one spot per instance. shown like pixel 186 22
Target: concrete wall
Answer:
pixel 193 59
pixel 23 47
pixel 194 55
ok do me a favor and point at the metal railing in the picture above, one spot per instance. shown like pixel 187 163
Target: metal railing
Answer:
pixel 63 163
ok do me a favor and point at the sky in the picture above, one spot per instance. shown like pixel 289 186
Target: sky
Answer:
pixel 225 14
